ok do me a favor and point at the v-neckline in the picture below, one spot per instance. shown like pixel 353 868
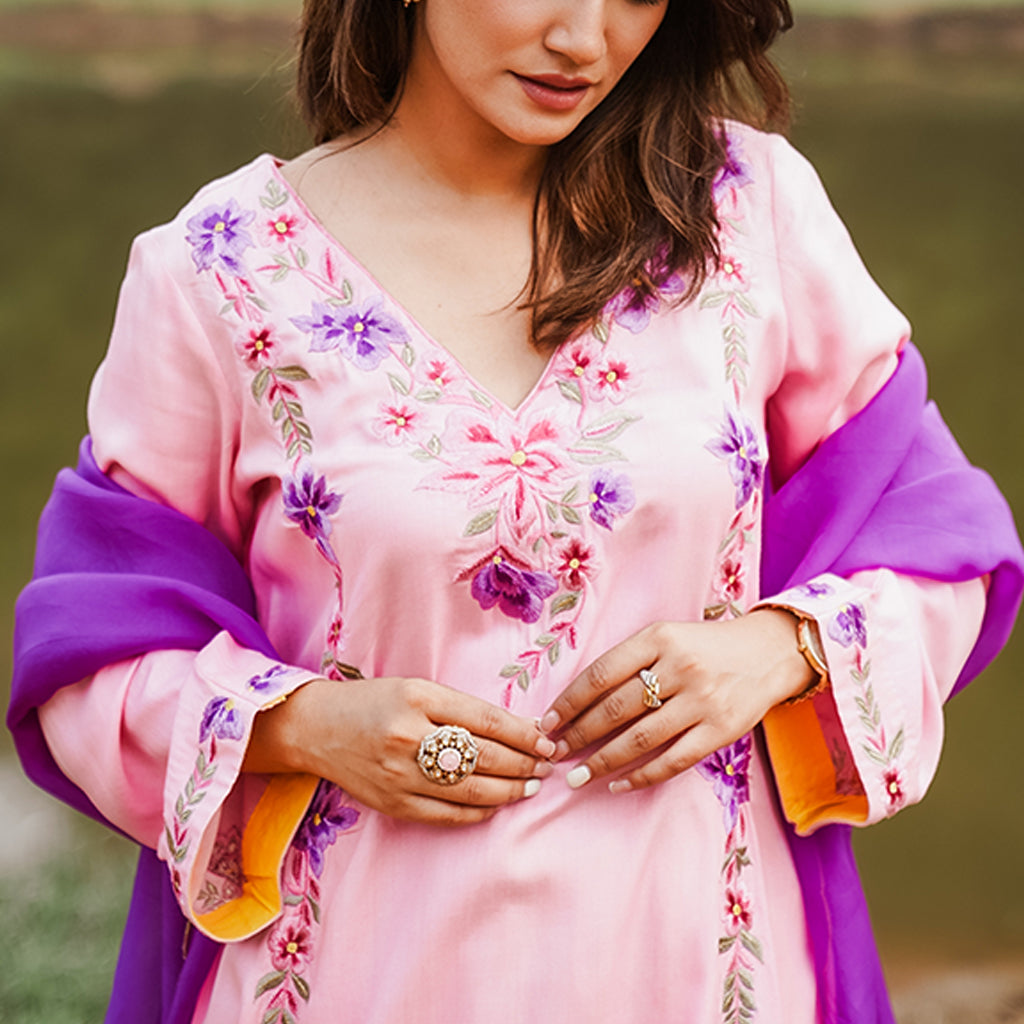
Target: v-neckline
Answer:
pixel 442 350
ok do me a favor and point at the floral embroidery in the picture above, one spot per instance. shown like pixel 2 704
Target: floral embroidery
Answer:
pixel 739 447
pixel 223 881
pixel 218 237
pixel 728 771
pixel 611 496
pixel 308 502
pixel 269 681
pixel 326 817
pixel 738 444
pixel 363 335
pixel 848 627
pixel 518 592
pixel 283 991
pixel 221 719
pixel 537 487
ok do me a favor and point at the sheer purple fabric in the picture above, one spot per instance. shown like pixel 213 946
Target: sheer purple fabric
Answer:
pixel 116 576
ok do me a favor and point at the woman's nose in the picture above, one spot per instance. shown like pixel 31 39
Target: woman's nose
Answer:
pixel 578 31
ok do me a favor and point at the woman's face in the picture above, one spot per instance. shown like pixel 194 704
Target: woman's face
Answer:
pixel 531 69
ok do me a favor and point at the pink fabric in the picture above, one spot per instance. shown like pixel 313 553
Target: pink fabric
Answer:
pixel 614 481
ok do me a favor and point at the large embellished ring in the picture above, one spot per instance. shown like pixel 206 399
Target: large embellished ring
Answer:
pixel 447 755
pixel 652 688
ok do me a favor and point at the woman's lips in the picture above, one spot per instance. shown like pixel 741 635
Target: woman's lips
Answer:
pixel 554 92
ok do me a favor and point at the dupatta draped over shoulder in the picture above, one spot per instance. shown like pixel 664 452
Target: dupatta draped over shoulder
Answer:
pixel 117 576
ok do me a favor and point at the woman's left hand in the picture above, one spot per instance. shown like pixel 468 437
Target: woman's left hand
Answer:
pixel 717 680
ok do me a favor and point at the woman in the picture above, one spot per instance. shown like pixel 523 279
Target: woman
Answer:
pixel 486 395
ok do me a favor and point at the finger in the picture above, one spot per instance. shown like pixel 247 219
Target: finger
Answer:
pixel 609 671
pixel 498 760
pixel 616 709
pixel 690 749
pixel 479 790
pixel 644 739
pixel 488 721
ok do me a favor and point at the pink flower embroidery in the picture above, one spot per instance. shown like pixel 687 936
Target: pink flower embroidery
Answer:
pixel 439 374
pixel 282 228
pixel 577 366
pixel 291 945
pixel 737 911
pixel 256 349
pixel 893 782
pixel 730 580
pixel 575 564
pixel 503 461
pixel 732 271
pixel 394 423
pixel 612 379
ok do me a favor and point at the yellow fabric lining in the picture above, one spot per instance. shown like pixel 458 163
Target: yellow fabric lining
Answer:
pixel 267 834
pixel 804 773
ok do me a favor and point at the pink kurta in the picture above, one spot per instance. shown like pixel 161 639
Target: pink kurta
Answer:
pixel 396 517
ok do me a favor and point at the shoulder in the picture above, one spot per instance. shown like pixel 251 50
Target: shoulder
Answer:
pixel 216 227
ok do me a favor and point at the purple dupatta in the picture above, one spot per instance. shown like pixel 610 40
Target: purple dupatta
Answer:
pixel 116 576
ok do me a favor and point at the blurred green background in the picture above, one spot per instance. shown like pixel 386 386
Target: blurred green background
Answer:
pixel 108 124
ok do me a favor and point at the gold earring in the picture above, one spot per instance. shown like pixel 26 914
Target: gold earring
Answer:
pixel 408 3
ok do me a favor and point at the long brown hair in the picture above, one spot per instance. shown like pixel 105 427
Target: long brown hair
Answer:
pixel 626 200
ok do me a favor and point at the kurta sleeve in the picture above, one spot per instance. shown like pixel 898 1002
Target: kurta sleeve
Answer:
pixel 869 744
pixel 157 742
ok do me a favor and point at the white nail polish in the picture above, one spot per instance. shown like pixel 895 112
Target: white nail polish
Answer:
pixel 532 787
pixel 579 776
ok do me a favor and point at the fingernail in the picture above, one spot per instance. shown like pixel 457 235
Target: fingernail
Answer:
pixel 561 749
pixel 579 776
pixel 543 769
pixel 620 786
pixel 549 721
pixel 545 747
pixel 532 787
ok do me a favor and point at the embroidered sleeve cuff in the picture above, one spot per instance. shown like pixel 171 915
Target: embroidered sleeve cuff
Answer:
pixel 225 833
pixel 815 771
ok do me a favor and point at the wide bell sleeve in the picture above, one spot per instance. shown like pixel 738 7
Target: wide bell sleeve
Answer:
pixel 895 643
pixel 157 741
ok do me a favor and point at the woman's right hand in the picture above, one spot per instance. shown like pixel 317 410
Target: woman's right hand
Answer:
pixel 364 735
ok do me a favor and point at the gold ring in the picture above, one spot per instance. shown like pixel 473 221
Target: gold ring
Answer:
pixel 652 688
pixel 447 755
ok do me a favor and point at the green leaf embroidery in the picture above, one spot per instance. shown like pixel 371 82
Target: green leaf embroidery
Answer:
pixel 565 602
pixel 260 383
pixel 571 515
pixel 292 373
pixel 408 354
pixel 481 522
pixel 480 398
pixel 398 384
pixel 428 394
pixel 571 390
pixel 752 943
pixel 600 331
pixel 269 981
pixel 301 986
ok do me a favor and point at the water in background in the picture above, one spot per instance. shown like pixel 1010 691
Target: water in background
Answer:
pixel 924 159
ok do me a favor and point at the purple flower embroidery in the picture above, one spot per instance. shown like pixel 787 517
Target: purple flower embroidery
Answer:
pixel 611 495
pixel 217 235
pixel 363 335
pixel 633 308
pixel 733 173
pixel 326 817
pixel 271 679
pixel 738 444
pixel 518 593
pixel 849 626
pixel 222 719
pixel 727 770
pixel 308 502
pixel 814 589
